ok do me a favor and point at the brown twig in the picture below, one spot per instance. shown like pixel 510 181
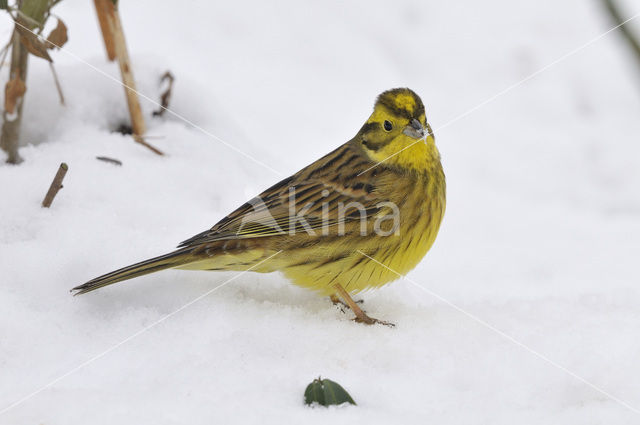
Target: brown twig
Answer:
pixel 56 185
pixel 114 39
pixel 166 96
pixel 29 16
pixel 109 160
pixel 120 46
pixel 55 79
pixel 102 8
pixel 141 140
pixel 10 136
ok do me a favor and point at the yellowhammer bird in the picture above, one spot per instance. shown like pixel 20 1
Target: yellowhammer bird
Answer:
pixel 381 194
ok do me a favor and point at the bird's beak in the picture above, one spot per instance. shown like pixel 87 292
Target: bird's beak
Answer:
pixel 414 129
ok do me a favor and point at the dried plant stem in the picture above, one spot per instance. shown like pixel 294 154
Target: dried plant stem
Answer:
pixel 137 121
pixel 109 160
pixel 30 16
pixel 166 96
pixel 10 137
pixel 114 41
pixel 143 142
pixel 56 185
pixel 55 79
pixel 5 50
pixel 102 9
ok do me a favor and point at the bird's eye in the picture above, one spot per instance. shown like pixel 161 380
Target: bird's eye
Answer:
pixel 387 125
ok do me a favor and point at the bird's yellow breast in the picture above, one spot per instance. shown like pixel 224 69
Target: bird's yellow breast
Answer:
pixel 420 197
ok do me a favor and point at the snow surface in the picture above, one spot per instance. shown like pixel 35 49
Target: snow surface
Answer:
pixel 541 238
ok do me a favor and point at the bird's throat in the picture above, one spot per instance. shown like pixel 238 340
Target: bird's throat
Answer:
pixel 409 154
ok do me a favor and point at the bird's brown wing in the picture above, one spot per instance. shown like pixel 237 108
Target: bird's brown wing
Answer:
pixel 322 202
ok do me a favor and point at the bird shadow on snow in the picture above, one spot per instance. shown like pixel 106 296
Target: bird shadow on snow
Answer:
pixel 263 294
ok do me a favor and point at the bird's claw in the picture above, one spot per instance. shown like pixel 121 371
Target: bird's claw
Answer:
pixel 371 321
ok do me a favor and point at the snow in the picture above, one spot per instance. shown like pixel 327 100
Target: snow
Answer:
pixel 540 239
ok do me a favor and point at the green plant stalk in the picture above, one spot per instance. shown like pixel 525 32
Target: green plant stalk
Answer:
pixel 36 10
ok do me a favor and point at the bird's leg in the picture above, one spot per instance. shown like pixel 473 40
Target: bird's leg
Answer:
pixel 337 301
pixel 361 316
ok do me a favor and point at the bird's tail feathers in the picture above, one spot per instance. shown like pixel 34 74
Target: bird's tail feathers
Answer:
pixel 167 261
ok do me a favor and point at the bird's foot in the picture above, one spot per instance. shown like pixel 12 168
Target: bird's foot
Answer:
pixel 337 301
pixel 371 321
pixel 361 316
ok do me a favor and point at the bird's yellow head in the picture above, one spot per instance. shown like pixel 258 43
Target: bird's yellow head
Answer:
pixel 397 133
